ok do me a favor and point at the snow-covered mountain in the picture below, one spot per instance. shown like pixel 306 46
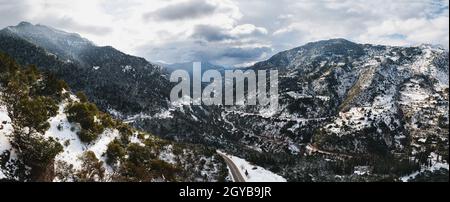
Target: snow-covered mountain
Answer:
pixel 348 111
pixel 49 134
pixel 113 80
pixel 377 104
pixel 360 86
pixel 348 105
pixel 66 45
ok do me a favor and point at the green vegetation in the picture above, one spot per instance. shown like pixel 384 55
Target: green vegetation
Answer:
pixel 142 164
pixel 35 112
pixel 92 121
pixel 125 133
pixel 8 68
pixel 36 151
pixel 52 87
pixel 31 99
pixel 82 96
pixel 86 115
pixel 115 152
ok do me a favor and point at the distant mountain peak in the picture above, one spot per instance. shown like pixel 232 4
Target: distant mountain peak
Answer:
pixel 27 27
pixel 333 40
pixel 318 49
pixel 61 43
pixel 337 42
pixel 206 65
pixel 24 23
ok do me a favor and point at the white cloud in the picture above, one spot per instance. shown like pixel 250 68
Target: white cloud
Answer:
pixel 382 22
pixel 247 29
pixel 412 31
pixel 169 30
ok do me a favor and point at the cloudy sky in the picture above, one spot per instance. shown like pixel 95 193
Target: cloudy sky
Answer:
pixel 234 32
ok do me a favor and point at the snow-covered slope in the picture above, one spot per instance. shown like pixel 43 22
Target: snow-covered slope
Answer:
pixel 375 103
pixel 5 132
pixel 66 134
pixel 49 134
pixel 5 129
pixel 360 101
pixel 253 173
pixel 69 162
pixel 60 43
pixel 434 165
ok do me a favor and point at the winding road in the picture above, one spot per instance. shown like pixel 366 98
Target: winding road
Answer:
pixel 238 176
pixel 235 172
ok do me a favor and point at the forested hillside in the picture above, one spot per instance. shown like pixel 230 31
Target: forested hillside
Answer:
pixel 47 133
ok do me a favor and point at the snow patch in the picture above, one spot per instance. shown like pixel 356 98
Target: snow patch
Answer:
pixel 66 134
pixel 167 155
pixel 135 139
pixel 255 173
pixel 435 165
pixel 127 68
pixel 5 129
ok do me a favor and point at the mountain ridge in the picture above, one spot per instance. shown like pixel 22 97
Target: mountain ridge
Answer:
pixel 49 134
pixel 93 63
pixel 336 96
